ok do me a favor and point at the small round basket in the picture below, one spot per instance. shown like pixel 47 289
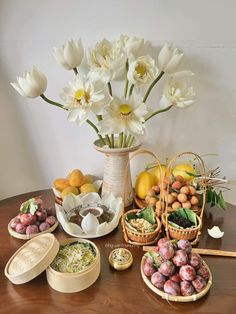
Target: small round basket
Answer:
pixel 142 238
pixel 183 234
pixel 131 236
pixel 169 297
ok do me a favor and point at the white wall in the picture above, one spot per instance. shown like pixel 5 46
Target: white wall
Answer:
pixel 36 142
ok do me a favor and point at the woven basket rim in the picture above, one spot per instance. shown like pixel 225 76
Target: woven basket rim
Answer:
pixel 169 297
pixel 140 234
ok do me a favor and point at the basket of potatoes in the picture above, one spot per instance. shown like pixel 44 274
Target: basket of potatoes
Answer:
pixel 75 183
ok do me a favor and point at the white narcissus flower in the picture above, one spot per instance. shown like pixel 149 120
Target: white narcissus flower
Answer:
pixel 83 96
pixel 107 60
pixel 142 71
pixel 169 58
pixel 178 94
pixel 124 116
pixel 132 46
pixel 69 55
pixel 32 84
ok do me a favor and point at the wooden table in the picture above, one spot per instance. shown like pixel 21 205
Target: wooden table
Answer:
pixel 117 292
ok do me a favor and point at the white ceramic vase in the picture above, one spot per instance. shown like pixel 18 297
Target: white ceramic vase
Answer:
pixel 116 160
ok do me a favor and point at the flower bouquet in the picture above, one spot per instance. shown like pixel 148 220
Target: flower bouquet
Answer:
pixel 118 120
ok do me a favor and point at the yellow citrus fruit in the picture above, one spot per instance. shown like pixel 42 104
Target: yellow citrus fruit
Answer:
pixel 69 190
pixel 88 178
pixel 157 172
pixel 60 184
pixel 182 169
pixel 88 188
pixel 143 183
pixel 76 178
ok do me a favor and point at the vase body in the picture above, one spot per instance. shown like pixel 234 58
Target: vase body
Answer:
pixel 114 180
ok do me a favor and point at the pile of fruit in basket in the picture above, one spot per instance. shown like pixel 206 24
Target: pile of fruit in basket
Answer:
pixel 33 217
pixel 172 267
pixel 182 188
pixel 76 182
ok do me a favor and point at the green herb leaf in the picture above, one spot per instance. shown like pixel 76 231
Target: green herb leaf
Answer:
pixel 156 258
pixel 148 214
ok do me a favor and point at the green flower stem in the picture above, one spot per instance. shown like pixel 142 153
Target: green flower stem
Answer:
pixel 75 70
pixel 110 88
pixel 126 81
pixel 158 111
pixel 128 140
pixel 152 85
pixel 96 130
pixel 124 141
pixel 132 141
pixel 120 141
pixel 52 102
pixel 112 141
pixel 131 90
pixel 99 117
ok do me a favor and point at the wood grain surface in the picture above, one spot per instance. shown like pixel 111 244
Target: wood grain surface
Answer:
pixel 118 292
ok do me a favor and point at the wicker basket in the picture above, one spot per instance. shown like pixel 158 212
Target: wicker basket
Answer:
pixel 191 234
pixel 131 236
pixel 169 297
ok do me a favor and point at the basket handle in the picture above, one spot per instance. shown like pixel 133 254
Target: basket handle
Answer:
pixel 203 184
pixel 138 152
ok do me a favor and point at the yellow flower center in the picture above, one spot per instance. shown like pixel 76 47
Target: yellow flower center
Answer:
pixel 141 70
pixel 125 109
pixel 79 94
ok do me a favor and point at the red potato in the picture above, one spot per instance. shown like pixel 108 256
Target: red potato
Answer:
pixel 51 220
pixel 158 280
pixel 176 278
pixel 187 272
pixel 167 251
pixel 14 222
pixel 172 287
pixel 195 260
pixel 180 258
pixel 167 268
pixel 44 226
pixel 162 241
pixel 186 288
pixel 148 267
pixel 20 228
pixel 203 272
pixel 41 215
pixel 199 283
pixel 185 245
pixel 28 219
pixel 32 229
pixel 51 211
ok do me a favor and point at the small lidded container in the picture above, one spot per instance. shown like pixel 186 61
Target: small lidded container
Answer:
pixel 45 253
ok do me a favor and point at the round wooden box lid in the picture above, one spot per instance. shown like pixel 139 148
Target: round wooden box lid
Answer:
pixel 32 258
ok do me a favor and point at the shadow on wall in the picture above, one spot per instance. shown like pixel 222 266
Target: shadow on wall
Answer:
pixel 18 160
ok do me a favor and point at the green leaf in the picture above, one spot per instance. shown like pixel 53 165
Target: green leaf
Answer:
pixel 148 214
pixel 221 202
pixel 156 258
pixel 185 213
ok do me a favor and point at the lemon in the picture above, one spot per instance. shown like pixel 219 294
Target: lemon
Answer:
pixel 157 172
pixel 88 188
pixel 143 183
pixel 68 190
pixel 182 169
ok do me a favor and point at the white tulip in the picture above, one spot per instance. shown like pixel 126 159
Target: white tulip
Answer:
pixel 169 58
pixel 69 55
pixel 142 71
pixel 177 94
pixel 83 96
pixel 124 115
pixel 107 60
pixel 32 84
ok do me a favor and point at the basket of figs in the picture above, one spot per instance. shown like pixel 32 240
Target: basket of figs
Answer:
pixel 140 226
pixel 33 219
pixel 175 272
